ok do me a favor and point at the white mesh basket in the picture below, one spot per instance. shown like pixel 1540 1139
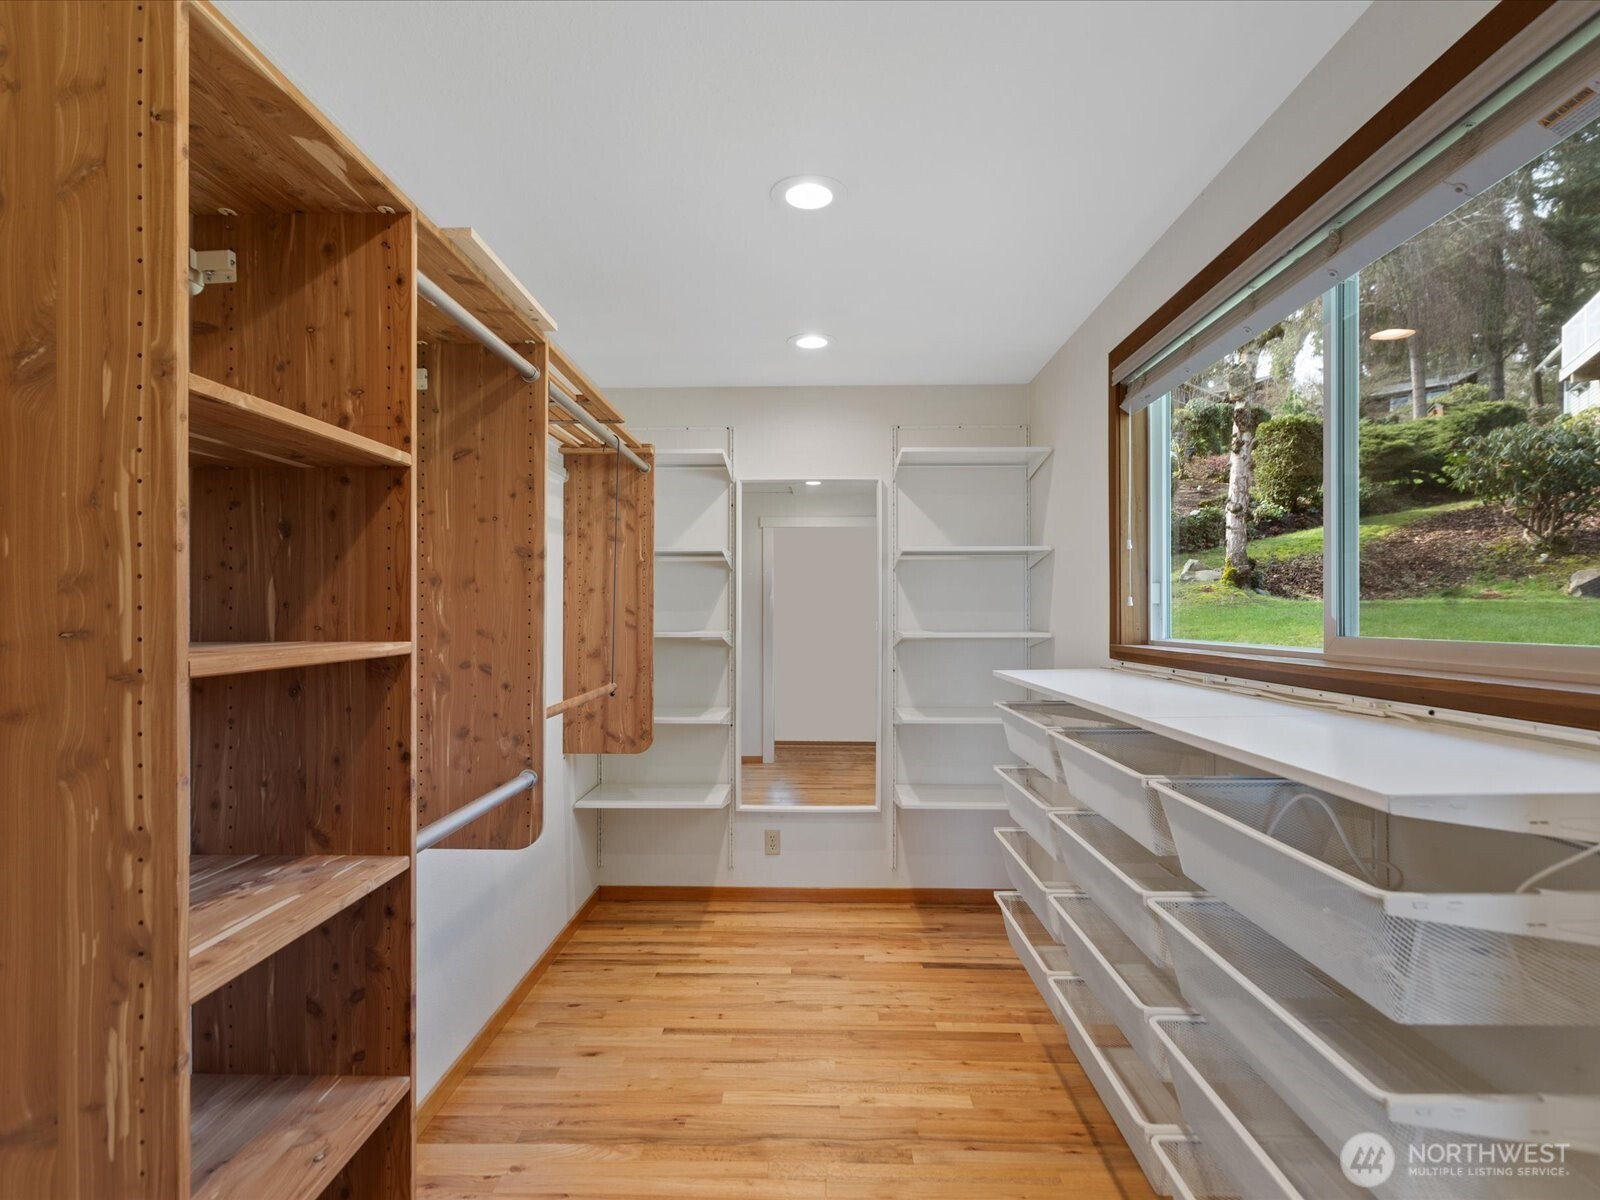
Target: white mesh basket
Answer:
pixel 1261 1146
pixel 1038 952
pixel 1127 984
pixel 1120 874
pixel 1444 950
pixel 1347 1069
pixel 1142 1106
pixel 1028 727
pixel 1031 796
pixel 1110 771
pixel 1191 1171
pixel 1032 872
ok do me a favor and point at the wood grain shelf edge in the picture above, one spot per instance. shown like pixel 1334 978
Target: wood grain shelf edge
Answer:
pixel 208 659
pixel 245 908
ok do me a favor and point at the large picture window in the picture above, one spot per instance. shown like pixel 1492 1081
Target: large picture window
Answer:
pixel 1406 468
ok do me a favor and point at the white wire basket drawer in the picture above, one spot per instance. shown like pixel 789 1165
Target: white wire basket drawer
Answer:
pixel 1423 920
pixel 1120 874
pixel 1111 770
pixel 1028 727
pixel 1191 1172
pixel 1346 1069
pixel 1038 952
pixel 1032 872
pixel 1142 1106
pixel 1266 1152
pixel 1031 796
pixel 1128 985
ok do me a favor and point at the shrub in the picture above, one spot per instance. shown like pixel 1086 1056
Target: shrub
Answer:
pixel 1203 426
pixel 1464 394
pixel 1289 461
pixel 1410 454
pixel 1546 478
pixel 1203 529
pixel 1478 418
pixel 1378 498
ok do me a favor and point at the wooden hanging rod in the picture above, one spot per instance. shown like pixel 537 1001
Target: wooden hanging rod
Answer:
pixel 582 698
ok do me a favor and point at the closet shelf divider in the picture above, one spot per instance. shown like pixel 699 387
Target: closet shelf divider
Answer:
pixel 239 658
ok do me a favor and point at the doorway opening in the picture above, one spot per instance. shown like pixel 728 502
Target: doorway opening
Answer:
pixel 811 617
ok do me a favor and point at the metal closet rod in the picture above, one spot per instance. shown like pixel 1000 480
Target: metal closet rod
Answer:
pixel 432 835
pixel 445 303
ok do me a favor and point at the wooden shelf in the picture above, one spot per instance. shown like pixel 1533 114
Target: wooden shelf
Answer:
pixel 709 796
pixel 286 1137
pixel 981 714
pixel 228 427
pixel 1029 457
pixel 694 716
pixel 950 797
pixel 1034 554
pixel 1030 636
pixel 239 658
pixel 695 635
pixel 244 908
pixel 695 458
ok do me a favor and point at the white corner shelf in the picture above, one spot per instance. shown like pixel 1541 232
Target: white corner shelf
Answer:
pixel 1030 457
pixel 1034 554
pixel 974 714
pixel 948 797
pixel 695 635
pixel 1031 636
pixel 695 458
pixel 708 796
pixel 694 554
pixel 1402 767
pixel 694 716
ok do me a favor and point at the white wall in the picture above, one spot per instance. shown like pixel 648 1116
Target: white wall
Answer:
pixel 825 634
pixel 1068 405
pixel 833 499
pixel 485 916
pixel 801 433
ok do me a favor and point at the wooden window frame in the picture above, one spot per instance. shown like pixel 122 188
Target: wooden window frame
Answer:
pixel 1525 696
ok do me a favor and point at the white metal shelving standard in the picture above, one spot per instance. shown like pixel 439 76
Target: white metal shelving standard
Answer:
pixel 693 763
pixel 960 605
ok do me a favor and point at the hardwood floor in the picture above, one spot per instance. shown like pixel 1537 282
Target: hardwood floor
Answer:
pixel 728 1049
pixel 812 773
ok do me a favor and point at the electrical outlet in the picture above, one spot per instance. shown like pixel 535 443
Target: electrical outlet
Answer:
pixel 774 842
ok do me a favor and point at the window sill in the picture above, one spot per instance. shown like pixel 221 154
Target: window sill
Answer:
pixel 1545 701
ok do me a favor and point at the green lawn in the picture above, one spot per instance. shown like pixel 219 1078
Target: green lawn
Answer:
pixel 1309 541
pixel 1225 615
pixel 1532 607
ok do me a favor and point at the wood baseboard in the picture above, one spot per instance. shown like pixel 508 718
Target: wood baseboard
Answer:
pixel 791 895
pixel 468 1058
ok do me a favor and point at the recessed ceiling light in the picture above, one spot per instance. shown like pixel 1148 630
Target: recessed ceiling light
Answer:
pixel 1392 335
pixel 808 341
pixel 813 483
pixel 808 193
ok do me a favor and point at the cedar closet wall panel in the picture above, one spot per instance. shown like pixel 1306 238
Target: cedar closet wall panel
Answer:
pixel 481 500
pixel 594 525
pixel 93 853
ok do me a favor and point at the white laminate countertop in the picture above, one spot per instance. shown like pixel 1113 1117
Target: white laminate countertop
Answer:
pixel 1395 763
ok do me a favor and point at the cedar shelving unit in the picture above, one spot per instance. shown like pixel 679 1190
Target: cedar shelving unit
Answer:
pixel 207 961
pixel 302 582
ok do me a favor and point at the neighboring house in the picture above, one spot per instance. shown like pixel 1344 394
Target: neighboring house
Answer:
pixel 1393 398
pixel 1580 358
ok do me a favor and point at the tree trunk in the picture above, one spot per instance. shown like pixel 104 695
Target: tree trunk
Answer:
pixel 1494 323
pixel 1241 479
pixel 1419 377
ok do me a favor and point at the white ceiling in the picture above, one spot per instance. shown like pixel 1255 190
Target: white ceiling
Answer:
pixel 1006 163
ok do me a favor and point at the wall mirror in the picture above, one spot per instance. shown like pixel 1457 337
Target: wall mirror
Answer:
pixel 811 644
